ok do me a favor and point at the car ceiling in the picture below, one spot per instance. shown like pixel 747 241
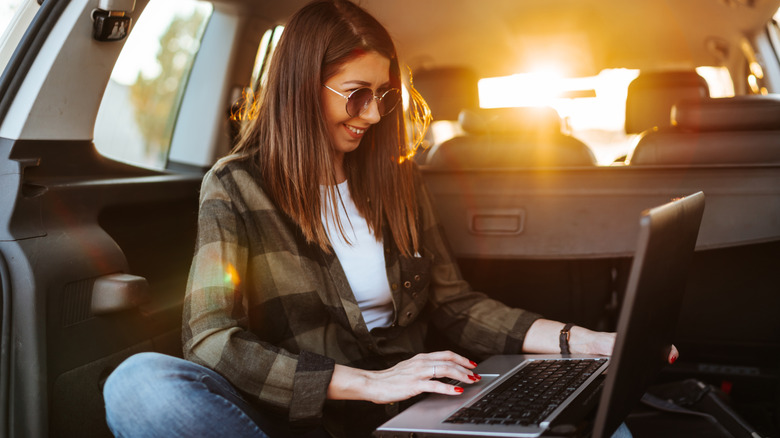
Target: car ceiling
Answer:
pixel 500 37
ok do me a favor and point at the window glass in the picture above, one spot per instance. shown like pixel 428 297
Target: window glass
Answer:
pixel 7 10
pixel 593 108
pixel 264 53
pixel 244 98
pixel 718 80
pixel 136 118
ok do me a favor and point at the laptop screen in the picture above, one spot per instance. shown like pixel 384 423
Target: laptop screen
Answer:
pixel 654 295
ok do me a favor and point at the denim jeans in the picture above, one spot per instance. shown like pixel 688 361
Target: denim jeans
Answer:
pixel 154 395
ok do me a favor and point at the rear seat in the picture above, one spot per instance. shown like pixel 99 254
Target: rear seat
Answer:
pixel 510 138
pixel 707 131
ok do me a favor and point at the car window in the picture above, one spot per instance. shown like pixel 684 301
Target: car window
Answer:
pixel 593 108
pixel 264 53
pixel 138 112
pixel 11 17
pixel 7 10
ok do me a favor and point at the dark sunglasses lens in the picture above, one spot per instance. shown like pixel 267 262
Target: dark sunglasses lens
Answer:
pixel 358 101
pixel 389 101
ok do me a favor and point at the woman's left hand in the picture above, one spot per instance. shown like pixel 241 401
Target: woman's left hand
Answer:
pixel 543 334
pixel 586 341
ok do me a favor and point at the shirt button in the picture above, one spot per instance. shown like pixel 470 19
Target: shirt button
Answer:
pixel 417 277
pixel 394 286
pixel 408 314
pixel 407 284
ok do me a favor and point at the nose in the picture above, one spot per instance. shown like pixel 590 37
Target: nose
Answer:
pixel 371 114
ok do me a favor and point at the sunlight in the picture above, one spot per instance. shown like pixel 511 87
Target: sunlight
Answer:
pixel 592 108
pixel 525 89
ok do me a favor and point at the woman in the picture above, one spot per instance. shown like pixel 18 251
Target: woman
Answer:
pixel 320 264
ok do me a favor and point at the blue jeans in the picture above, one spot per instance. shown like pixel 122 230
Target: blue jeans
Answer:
pixel 154 395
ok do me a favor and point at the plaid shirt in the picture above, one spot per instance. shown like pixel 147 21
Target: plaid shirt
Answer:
pixel 273 314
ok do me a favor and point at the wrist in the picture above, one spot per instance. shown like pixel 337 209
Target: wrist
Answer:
pixel 348 383
pixel 585 341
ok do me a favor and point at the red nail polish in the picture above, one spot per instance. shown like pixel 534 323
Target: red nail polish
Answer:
pixel 473 378
pixel 478 376
pixel 473 363
pixel 458 389
pixel 672 359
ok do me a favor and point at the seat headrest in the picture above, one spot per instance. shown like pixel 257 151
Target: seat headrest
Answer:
pixel 447 90
pixel 651 96
pixel 739 113
pixel 510 121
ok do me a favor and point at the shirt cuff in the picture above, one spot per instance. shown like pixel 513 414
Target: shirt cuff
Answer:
pixel 310 389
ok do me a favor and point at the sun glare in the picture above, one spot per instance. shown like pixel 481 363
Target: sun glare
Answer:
pixel 592 108
pixel 525 89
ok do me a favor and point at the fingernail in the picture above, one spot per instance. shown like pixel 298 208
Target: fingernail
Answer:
pixel 672 359
pixel 458 389
pixel 473 363
pixel 473 378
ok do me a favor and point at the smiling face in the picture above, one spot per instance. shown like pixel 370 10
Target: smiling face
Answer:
pixel 370 70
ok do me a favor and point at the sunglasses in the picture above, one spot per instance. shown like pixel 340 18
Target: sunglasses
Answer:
pixel 359 100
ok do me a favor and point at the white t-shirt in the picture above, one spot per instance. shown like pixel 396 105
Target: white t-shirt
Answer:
pixel 363 259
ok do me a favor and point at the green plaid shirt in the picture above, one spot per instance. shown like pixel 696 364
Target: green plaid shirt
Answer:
pixel 273 314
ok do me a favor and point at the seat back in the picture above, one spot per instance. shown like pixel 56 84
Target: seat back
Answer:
pixel 511 138
pixel 736 130
pixel 651 96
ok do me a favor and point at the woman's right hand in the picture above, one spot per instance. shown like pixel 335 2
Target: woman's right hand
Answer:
pixel 405 380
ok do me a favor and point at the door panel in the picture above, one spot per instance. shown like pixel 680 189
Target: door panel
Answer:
pixel 93 217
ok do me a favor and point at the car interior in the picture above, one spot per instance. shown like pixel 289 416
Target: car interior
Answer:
pixel 555 124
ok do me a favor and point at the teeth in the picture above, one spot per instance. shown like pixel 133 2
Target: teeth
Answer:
pixel 356 130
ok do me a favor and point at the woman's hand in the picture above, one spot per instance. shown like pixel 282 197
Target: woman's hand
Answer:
pixel 405 380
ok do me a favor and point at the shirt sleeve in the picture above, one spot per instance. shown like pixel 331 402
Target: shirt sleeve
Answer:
pixel 467 318
pixel 215 322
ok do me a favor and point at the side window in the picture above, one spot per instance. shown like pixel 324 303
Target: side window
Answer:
pixel 7 10
pixel 264 53
pixel 137 115
pixel 244 98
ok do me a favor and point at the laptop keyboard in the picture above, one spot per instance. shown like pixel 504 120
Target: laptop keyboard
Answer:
pixel 530 395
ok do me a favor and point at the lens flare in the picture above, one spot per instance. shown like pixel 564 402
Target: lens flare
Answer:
pixel 231 275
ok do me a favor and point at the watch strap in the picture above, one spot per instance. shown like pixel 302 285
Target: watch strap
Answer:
pixel 563 338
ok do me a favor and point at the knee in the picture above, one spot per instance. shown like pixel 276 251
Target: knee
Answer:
pixel 136 384
pixel 136 371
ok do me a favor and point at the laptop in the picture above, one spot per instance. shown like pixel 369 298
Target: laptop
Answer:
pixel 498 406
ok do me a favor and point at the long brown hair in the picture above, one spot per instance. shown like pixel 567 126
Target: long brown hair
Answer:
pixel 288 143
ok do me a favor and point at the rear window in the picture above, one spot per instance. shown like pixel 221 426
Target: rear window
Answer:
pixel 138 112
pixel 593 108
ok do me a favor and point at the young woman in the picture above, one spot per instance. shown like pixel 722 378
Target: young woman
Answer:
pixel 320 265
